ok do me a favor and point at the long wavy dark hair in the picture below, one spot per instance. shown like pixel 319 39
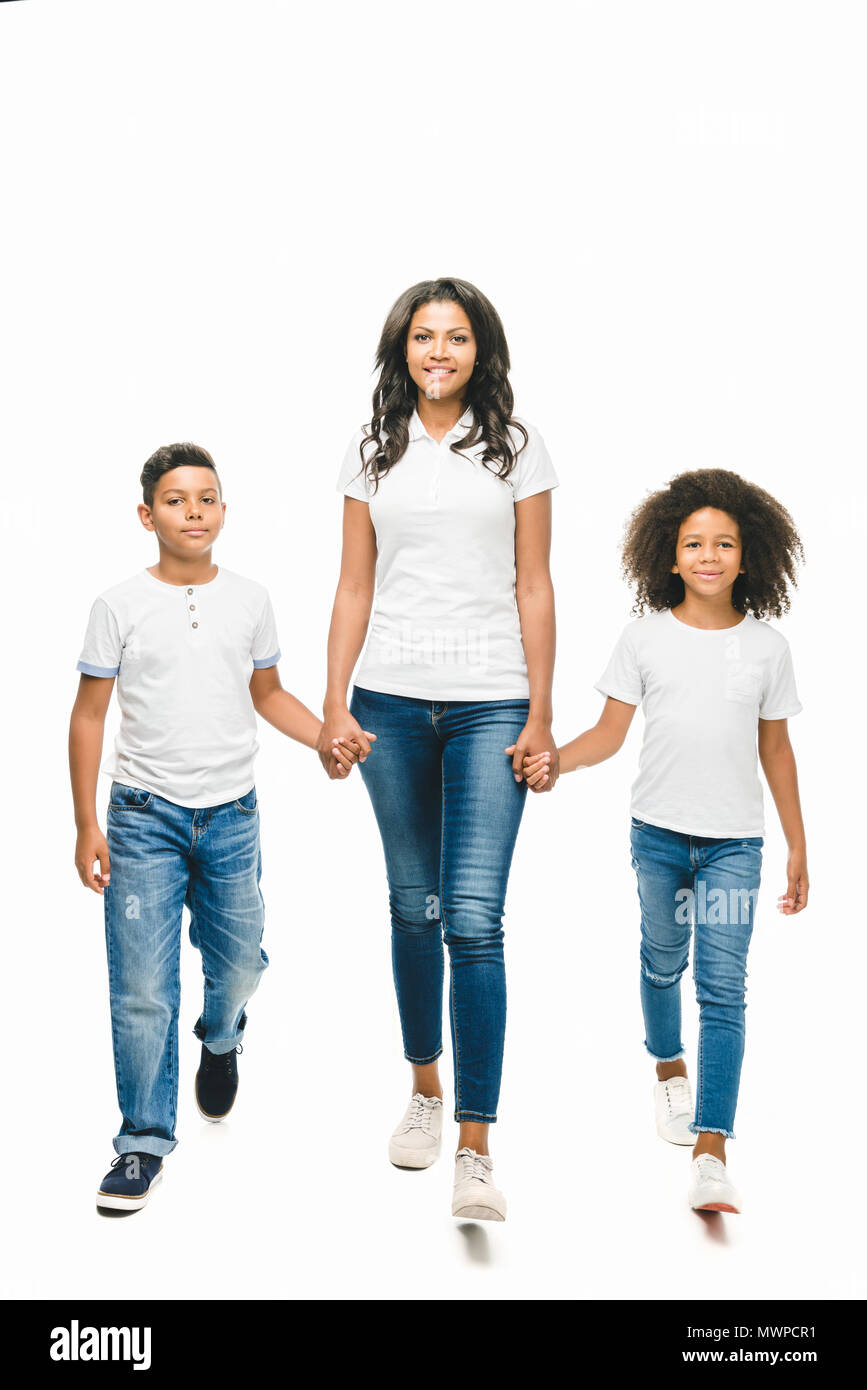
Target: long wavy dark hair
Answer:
pixel 770 545
pixel 487 391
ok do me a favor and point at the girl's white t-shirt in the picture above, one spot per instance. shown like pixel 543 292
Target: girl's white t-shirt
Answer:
pixel 445 623
pixel 703 693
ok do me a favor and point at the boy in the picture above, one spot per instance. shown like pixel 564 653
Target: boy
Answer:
pixel 194 649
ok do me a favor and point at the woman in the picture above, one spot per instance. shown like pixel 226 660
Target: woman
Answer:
pixel 447 508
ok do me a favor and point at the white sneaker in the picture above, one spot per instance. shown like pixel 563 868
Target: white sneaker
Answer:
pixel 674 1110
pixel 709 1186
pixel 475 1197
pixel 417 1140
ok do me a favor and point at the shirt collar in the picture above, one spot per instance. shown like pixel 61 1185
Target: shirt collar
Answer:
pixel 464 425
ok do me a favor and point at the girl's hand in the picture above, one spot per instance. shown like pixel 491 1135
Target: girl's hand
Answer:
pixel 795 897
pixel 91 844
pixel 341 743
pixel 533 740
pixel 536 771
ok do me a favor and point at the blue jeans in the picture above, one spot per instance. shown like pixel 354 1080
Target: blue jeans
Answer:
pixel 713 884
pixel 448 809
pixel 162 856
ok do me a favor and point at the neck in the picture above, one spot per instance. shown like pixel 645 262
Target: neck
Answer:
pixel 184 569
pixel 710 612
pixel 438 417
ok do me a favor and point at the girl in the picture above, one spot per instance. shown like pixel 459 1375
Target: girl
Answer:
pixel 448 508
pixel 711 556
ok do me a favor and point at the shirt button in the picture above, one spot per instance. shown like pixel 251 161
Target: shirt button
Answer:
pixel 195 624
pixel 189 591
pixel 192 608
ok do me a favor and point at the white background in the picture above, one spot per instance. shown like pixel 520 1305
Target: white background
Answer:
pixel 209 208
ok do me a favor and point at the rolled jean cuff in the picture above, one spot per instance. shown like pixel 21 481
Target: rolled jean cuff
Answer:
pixel 709 1129
pixel 129 1144
pixel 219 1046
pixel 424 1061
pixel 675 1057
pixel 474 1117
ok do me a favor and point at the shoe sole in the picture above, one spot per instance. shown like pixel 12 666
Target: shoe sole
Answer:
pixel 718 1206
pixel 473 1213
pixel 213 1119
pixel 411 1158
pixel 117 1203
pixel 690 1140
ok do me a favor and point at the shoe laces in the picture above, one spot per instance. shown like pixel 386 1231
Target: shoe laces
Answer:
pixel 709 1166
pixel 473 1165
pixel 677 1097
pixel 420 1111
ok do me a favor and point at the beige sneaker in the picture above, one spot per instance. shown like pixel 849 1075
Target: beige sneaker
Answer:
pixel 475 1197
pixel 417 1140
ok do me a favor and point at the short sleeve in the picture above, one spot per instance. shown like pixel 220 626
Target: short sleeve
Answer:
pixel 779 695
pixel 266 648
pixel 621 678
pixel 351 480
pixel 533 471
pixel 101 653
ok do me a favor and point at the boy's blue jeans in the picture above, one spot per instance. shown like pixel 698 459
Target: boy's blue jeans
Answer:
pixel 448 809
pixel 162 856
pixel 711 884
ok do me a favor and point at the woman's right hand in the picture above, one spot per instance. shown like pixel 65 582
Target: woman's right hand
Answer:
pixel 338 757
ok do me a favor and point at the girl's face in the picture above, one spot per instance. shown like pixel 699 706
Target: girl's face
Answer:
pixel 708 552
pixel 440 350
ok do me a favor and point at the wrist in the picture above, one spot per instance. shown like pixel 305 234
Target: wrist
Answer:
pixel 334 704
pixel 544 717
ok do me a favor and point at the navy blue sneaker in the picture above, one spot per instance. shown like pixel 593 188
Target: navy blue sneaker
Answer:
pixel 130 1181
pixel 217 1083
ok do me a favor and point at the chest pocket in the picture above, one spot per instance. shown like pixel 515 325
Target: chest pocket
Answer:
pixel 743 682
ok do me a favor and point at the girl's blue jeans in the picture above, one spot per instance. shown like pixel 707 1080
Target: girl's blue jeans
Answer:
pixel 448 810
pixel 707 888
pixel 162 856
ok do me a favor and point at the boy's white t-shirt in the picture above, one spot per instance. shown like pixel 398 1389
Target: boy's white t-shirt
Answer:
pixel 703 693
pixel 183 656
pixel 445 622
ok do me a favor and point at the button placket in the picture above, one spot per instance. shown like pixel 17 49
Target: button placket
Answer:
pixel 191 607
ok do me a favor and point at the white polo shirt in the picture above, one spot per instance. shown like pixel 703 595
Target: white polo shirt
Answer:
pixel 703 694
pixel 183 656
pixel 445 623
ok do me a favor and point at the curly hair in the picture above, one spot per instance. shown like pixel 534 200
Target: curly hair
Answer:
pixel 488 390
pixel 771 546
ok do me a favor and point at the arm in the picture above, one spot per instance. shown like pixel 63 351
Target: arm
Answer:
pixel 86 730
pixel 349 619
pixel 778 764
pixel 281 709
pixel 589 748
pixel 534 595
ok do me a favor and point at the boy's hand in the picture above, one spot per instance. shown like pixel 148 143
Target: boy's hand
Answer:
pixel 90 845
pixel 798 888
pixel 537 771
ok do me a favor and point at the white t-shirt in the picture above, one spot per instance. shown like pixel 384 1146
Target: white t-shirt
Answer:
pixel 445 623
pixel 183 656
pixel 703 694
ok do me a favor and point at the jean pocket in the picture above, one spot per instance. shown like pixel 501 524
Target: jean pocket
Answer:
pixel 248 803
pixel 123 798
pixel 743 682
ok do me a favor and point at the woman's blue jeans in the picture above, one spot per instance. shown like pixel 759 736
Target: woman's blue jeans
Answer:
pixel 686 883
pixel 448 809
pixel 162 856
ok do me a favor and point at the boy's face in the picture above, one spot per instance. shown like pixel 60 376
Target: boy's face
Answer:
pixel 187 514
pixel 709 552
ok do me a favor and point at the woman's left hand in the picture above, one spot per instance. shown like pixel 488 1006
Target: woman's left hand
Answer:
pixel 535 738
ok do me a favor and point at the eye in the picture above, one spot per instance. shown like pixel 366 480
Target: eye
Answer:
pixel 459 338
pixel 420 337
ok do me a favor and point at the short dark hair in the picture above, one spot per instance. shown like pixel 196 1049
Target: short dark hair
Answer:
pixel 173 456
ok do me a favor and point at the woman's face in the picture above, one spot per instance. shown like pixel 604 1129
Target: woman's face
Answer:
pixel 440 350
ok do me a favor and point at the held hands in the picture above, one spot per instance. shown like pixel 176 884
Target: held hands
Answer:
pixel 540 768
pixel 341 744
pixel 797 890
